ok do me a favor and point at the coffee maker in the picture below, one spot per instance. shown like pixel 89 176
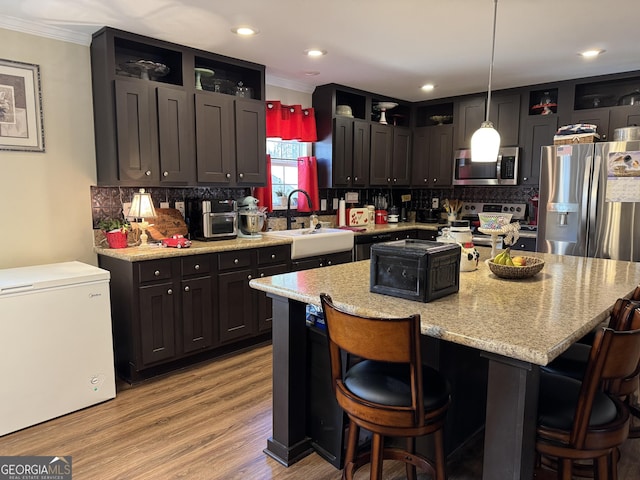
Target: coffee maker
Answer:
pixel 251 218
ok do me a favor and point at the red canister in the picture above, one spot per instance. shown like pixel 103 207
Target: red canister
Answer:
pixel 381 216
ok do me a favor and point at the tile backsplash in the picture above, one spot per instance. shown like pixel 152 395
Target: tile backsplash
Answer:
pixel 107 201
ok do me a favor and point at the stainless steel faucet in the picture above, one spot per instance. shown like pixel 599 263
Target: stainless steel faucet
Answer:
pixel 289 205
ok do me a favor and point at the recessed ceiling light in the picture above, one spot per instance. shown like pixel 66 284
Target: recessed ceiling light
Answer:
pixel 315 52
pixel 592 53
pixel 428 87
pixel 244 31
pixel 311 73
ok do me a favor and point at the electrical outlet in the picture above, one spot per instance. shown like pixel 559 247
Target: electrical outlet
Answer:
pixel 435 202
pixel 180 208
pixel 323 205
pixel 335 203
pixel 164 204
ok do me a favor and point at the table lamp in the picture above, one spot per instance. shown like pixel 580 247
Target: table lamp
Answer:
pixel 142 207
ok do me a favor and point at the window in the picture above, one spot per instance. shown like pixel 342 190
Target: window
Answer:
pixel 284 169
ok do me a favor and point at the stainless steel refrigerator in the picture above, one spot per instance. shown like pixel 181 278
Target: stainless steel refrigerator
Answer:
pixel 590 200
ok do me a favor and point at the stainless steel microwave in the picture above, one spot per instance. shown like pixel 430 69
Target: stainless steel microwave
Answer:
pixel 504 171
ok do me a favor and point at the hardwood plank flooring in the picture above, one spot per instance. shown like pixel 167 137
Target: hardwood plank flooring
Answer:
pixel 208 422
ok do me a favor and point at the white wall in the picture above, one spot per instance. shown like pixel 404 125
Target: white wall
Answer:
pixel 288 97
pixel 45 203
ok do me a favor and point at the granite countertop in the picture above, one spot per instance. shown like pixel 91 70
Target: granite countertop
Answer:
pixel 533 320
pixel 137 254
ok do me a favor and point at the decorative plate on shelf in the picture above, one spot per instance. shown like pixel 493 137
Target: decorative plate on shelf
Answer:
pixel 441 119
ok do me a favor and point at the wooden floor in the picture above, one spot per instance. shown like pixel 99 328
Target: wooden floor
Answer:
pixel 205 423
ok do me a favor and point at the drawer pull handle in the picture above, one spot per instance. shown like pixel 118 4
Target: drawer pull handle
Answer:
pixel 236 261
pixel 228 175
pixel 157 273
pixel 248 277
pixel 273 256
pixel 148 173
pixel 169 292
pixel 241 175
pixel 165 174
pixel 186 289
pixel 262 275
pixel 197 267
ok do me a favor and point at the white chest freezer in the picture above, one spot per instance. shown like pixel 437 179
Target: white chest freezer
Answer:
pixel 56 351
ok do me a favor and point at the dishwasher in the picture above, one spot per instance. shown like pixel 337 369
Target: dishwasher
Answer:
pixel 56 349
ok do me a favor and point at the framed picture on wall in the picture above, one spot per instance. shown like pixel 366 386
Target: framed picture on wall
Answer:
pixel 21 126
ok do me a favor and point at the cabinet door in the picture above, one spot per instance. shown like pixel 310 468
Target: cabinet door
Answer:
pixel 441 155
pixel 264 302
pixel 137 161
pixel 361 153
pixel 338 258
pixel 215 148
pixel 251 142
pixel 401 156
pixel 505 115
pixel 624 116
pixel 157 323
pixel 174 135
pixel 420 160
pixel 381 154
pixel 236 310
pixel 197 314
pixel 342 161
pixel 595 116
pixel 539 131
pixel 468 116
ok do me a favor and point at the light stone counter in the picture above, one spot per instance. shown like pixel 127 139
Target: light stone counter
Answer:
pixel 517 325
pixel 532 320
pixel 138 254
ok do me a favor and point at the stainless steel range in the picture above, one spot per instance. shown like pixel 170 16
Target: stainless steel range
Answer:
pixel 528 233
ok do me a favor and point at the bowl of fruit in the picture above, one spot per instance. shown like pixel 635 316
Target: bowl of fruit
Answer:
pixel 504 265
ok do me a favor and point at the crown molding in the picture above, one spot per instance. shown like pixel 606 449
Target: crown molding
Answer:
pixel 276 81
pixel 43 30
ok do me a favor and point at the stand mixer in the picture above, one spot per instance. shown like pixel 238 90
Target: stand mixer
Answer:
pixel 250 218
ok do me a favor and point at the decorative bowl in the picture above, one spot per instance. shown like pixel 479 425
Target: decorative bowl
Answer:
pixel 441 119
pixel 344 111
pixel 533 266
pixel 494 221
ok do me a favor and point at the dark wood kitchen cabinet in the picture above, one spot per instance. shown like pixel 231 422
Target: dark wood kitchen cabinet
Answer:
pixel 504 114
pixel 321 261
pixel 146 121
pixel 230 140
pixel 154 138
pixel 162 311
pixel 539 131
pixel 244 310
pixel 432 164
pixel 350 152
pixel 390 155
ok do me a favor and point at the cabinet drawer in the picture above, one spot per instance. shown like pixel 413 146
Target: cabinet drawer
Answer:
pixel 235 259
pixel 195 265
pixel 155 270
pixel 269 255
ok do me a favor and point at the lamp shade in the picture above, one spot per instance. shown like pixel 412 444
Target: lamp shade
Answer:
pixel 485 144
pixel 142 205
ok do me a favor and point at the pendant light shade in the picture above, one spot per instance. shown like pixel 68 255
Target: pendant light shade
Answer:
pixel 485 142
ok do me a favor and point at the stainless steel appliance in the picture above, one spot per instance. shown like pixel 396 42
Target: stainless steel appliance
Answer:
pixel 590 200
pixel 504 171
pixel 251 218
pixel 212 219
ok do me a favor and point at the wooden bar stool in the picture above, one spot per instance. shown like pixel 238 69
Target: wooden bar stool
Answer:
pixel 585 420
pixel 388 392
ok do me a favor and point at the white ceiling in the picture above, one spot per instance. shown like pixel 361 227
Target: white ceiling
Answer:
pixel 389 47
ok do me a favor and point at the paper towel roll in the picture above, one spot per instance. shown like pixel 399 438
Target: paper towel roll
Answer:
pixel 342 213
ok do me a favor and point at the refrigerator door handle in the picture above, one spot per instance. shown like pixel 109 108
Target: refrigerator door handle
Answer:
pixel 592 231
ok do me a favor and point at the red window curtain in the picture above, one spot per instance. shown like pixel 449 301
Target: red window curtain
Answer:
pixel 263 194
pixel 308 181
pixel 291 122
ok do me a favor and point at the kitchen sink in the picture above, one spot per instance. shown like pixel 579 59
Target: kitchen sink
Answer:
pixel 309 243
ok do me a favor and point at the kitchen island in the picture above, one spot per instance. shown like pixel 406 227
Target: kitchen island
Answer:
pixel 518 325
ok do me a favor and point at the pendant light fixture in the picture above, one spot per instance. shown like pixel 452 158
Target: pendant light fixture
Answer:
pixel 485 141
